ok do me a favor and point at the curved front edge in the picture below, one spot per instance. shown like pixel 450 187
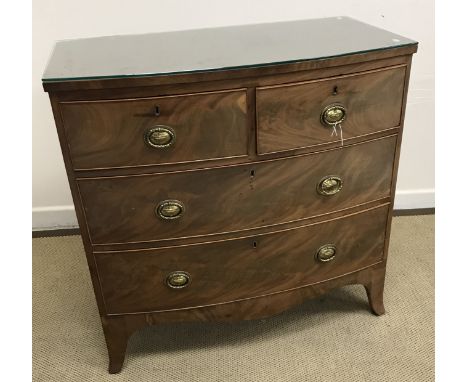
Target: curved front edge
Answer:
pixel 119 328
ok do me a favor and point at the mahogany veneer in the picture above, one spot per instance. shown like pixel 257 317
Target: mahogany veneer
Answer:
pixel 103 134
pixel 219 188
pixel 287 113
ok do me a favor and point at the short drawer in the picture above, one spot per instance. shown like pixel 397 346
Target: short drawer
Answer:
pixel 299 115
pixel 135 132
pixel 195 275
pixel 232 198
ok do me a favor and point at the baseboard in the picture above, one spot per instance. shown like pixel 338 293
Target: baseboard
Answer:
pixel 414 199
pixel 53 218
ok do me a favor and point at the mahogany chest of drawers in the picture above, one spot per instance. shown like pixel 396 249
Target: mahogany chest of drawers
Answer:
pixel 230 173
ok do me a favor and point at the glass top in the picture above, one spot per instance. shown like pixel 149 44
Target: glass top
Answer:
pixel 215 49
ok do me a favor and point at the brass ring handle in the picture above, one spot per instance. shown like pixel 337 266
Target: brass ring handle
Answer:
pixel 178 279
pixel 170 209
pixel 160 137
pixel 333 114
pixel 329 185
pixel 326 253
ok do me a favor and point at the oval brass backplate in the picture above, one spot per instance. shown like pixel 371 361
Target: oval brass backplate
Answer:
pixel 160 137
pixel 329 185
pixel 178 279
pixel 333 114
pixel 170 209
pixel 326 253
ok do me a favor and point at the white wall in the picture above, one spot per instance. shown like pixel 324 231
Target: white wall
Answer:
pixel 64 19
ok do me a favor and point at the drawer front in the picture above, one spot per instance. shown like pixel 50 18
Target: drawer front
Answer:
pixel 241 268
pixel 290 116
pixel 219 200
pixel 134 132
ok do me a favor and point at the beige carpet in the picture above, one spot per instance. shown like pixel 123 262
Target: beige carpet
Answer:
pixel 334 338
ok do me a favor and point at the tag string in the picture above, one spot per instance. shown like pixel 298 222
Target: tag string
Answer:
pixel 334 132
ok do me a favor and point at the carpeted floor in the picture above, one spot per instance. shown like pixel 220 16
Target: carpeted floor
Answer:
pixel 334 338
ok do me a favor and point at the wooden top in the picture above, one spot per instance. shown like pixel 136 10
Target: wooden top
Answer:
pixel 206 50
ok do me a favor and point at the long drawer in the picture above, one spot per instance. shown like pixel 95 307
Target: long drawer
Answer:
pixel 195 275
pixel 159 130
pixel 298 115
pixel 226 199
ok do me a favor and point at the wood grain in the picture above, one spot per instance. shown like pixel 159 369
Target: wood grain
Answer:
pixel 238 269
pixel 288 116
pixel 109 134
pixel 194 240
pixel 119 328
pixel 263 78
pixel 121 209
pixel 231 161
pixel 115 187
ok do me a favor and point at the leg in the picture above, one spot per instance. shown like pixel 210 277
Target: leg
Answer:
pixel 116 335
pixel 375 289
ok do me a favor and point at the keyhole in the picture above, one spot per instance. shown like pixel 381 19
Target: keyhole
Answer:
pixel 335 90
pixel 251 180
pixel 254 244
pixel 157 112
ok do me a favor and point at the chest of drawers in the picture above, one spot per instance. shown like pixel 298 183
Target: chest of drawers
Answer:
pixel 230 173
